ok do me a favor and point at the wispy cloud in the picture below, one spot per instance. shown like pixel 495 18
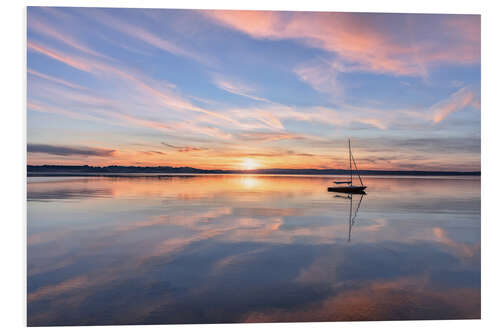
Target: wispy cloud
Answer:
pixel 268 118
pixel 55 79
pixel 237 88
pixel 153 152
pixel 143 35
pixel 68 60
pixel 269 136
pixel 321 75
pixel 366 41
pixel 183 149
pixel 103 112
pixel 69 150
pixel 457 101
pixel 40 107
pixel 172 127
pixel 39 27
pixel 166 95
pixel 344 116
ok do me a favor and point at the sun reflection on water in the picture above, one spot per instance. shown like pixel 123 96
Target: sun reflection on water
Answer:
pixel 250 182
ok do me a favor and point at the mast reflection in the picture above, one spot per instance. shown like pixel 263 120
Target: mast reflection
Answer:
pixel 352 217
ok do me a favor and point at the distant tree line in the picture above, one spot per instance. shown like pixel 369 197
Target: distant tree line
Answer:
pixel 116 169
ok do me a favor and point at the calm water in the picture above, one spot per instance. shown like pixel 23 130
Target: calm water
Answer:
pixel 210 249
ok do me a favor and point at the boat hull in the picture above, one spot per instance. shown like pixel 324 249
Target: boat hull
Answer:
pixel 347 189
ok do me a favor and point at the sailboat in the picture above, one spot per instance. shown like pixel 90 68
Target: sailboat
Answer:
pixel 349 187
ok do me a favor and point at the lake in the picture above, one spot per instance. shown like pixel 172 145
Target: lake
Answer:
pixel 251 248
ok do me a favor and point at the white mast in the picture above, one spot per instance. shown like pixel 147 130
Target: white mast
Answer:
pixel 350 159
pixel 354 161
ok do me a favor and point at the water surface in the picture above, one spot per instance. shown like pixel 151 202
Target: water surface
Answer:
pixel 236 248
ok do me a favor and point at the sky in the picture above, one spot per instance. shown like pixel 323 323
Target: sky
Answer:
pixel 253 89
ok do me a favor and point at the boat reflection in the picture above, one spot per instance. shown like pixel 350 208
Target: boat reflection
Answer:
pixel 352 217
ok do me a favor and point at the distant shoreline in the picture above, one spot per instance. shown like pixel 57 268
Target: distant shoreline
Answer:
pixel 85 170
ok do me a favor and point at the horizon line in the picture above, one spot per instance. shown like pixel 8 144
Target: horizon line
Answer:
pixel 252 170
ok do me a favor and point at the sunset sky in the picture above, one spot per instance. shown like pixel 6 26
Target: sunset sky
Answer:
pixel 253 89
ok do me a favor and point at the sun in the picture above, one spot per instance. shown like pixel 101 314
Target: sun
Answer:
pixel 249 164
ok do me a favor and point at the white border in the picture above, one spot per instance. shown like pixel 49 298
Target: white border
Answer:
pixel 13 172
pixel 424 6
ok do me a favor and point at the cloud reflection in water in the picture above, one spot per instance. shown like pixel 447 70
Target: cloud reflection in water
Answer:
pixel 250 248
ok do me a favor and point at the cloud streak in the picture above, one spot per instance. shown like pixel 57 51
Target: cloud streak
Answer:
pixel 270 136
pixel 321 75
pixel 166 96
pixel 457 101
pixel 68 60
pixel 69 150
pixel 365 42
pixel 237 88
pixel 37 26
pixel 143 35
pixel 55 79
pixel 183 149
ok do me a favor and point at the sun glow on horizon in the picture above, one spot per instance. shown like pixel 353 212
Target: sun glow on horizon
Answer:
pixel 249 164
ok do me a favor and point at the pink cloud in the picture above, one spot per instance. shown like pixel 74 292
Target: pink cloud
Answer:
pixel 269 136
pixel 42 28
pixel 121 118
pixel 238 88
pixel 139 33
pixel 364 41
pixel 66 59
pixel 183 149
pixel 378 123
pixel 61 111
pixel 172 127
pixel 456 102
pixel 321 75
pixel 166 95
pixel 55 79
pixel 269 119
